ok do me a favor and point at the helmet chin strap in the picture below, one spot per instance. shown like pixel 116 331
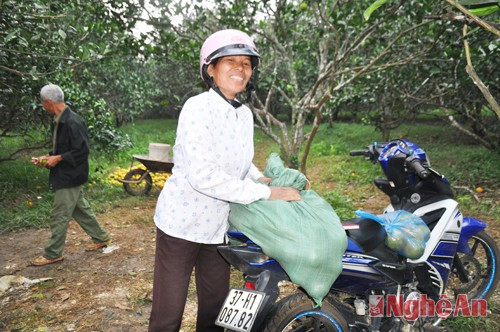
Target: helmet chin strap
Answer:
pixel 231 102
pixel 250 87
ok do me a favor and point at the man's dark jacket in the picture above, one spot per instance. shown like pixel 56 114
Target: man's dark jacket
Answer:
pixel 73 145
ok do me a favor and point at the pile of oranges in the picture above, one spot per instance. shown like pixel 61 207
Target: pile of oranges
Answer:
pixel 119 173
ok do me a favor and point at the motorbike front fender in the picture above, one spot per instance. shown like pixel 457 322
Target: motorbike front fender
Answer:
pixel 470 226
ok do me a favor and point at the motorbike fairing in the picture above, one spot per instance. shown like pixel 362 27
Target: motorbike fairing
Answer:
pixel 470 226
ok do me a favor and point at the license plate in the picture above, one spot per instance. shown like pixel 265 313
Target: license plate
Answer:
pixel 239 310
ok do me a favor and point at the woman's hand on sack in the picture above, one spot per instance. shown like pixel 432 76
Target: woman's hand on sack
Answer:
pixel 265 180
pixel 284 194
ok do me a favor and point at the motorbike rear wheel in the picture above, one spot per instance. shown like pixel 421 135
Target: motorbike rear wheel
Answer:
pixel 481 268
pixel 297 313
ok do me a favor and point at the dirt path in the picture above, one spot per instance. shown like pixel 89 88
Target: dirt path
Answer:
pixel 89 291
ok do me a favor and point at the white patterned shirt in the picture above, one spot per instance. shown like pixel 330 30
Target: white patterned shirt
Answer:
pixel 213 166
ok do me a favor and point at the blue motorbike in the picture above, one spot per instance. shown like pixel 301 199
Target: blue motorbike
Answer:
pixel 460 259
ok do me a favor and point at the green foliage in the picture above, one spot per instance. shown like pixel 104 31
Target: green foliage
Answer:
pixel 478 7
pixel 439 80
pixel 374 6
pixel 464 164
pixel 72 44
pixel 145 132
pixel 341 204
pixel 24 192
pixel 473 323
pixel 485 11
pixel 323 148
pixel 130 87
pixel 96 114
pixel 477 2
pixel 152 74
pixel 284 117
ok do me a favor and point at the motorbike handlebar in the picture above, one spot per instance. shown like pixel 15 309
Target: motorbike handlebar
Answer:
pixel 416 164
pixel 358 153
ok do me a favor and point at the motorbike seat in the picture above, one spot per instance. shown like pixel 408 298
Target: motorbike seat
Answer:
pixel 367 233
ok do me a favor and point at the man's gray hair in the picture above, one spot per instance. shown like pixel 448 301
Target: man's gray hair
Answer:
pixel 52 92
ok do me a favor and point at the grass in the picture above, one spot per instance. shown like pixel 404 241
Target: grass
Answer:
pixel 24 195
pixel 472 324
pixel 343 181
pixel 141 134
pixel 464 163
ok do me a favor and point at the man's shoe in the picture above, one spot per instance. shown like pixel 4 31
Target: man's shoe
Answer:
pixel 41 261
pixel 95 246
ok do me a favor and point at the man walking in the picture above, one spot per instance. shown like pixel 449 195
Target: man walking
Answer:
pixel 69 168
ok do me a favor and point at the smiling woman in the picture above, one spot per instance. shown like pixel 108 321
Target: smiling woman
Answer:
pixel 228 45
pixel 231 74
pixel 213 156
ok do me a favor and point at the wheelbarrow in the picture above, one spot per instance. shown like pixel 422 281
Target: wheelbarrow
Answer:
pixel 138 181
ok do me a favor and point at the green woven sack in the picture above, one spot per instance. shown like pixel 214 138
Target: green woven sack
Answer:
pixel 305 237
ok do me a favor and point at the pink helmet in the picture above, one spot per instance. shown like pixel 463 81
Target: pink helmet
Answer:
pixel 224 43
